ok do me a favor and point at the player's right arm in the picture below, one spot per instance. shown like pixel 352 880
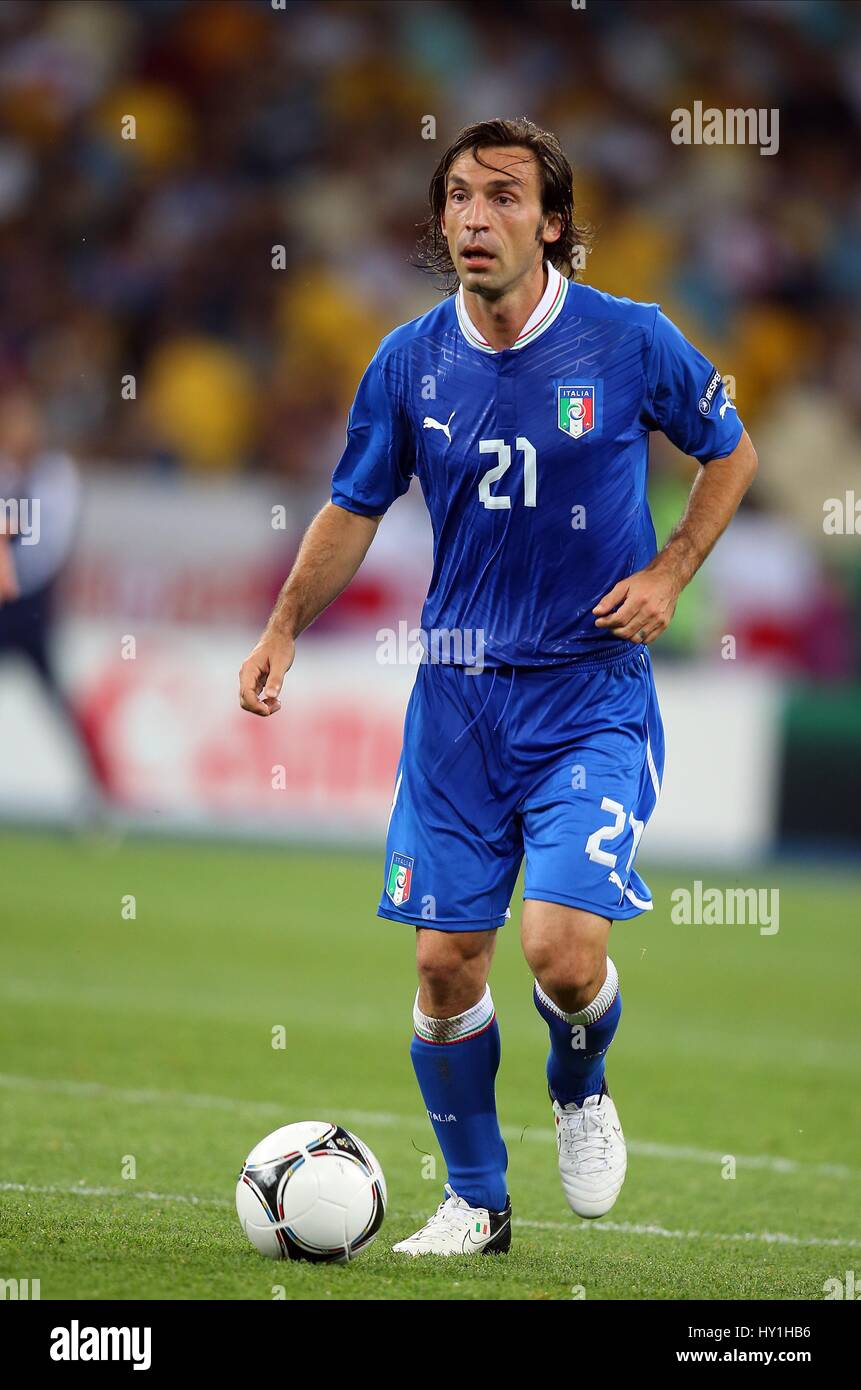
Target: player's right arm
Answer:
pixel 375 468
pixel 332 550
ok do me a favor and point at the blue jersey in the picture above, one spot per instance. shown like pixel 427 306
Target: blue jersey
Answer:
pixel 532 461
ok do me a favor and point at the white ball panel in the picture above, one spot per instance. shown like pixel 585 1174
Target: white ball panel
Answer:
pixel 360 1209
pixel 324 1228
pixel 300 1191
pixel 287 1139
pixel 254 1222
pixel 339 1178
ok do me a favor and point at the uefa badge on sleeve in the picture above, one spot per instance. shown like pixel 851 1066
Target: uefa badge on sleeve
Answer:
pixel 400 878
pixel 575 413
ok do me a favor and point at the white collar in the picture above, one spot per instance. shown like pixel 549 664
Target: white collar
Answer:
pixel 543 315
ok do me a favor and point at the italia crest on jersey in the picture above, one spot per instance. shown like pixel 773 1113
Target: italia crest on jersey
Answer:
pixel 575 413
pixel 400 878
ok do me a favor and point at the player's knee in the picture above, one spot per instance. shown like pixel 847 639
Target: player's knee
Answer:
pixel 572 983
pixel 452 967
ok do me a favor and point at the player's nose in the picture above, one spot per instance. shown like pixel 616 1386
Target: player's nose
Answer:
pixel 477 218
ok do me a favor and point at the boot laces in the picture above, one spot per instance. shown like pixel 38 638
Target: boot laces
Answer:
pixel 586 1135
pixel 454 1212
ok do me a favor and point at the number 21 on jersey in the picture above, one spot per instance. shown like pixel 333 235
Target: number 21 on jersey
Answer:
pixel 501 501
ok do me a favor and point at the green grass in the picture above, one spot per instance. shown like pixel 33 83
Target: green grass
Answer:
pixel 152 1038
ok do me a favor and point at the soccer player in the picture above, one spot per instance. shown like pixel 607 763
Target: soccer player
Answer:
pixel 523 403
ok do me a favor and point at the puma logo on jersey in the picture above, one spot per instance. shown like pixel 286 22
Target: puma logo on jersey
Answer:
pixel 429 423
pixel 727 405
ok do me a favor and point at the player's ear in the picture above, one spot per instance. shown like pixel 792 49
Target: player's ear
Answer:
pixel 552 227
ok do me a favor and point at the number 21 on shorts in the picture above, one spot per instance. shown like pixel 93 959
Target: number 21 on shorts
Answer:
pixel 608 833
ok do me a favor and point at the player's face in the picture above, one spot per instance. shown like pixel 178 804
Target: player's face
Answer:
pixel 493 221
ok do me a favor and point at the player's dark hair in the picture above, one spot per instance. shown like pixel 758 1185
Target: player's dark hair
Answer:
pixel 557 195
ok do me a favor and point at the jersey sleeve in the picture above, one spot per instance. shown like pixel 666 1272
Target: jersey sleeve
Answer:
pixel 378 462
pixel 686 397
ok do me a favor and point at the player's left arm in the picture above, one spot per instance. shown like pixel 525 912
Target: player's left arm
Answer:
pixel 640 607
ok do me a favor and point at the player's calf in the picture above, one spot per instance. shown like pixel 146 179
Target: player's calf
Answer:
pixel 589 1138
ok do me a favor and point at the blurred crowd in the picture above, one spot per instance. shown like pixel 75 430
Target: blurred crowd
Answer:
pixel 146 301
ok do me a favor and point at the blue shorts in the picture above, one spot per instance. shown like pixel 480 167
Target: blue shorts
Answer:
pixel 562 764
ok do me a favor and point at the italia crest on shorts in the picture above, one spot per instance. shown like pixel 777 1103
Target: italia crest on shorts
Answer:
pixel 575 412
pixel 400 878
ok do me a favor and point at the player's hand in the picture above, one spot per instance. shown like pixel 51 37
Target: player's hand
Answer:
pixel 8 580
pixel 639 608
pixel 262 674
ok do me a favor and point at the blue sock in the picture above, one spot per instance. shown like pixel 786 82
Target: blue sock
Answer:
pixel 456 1061
pixel 578 1041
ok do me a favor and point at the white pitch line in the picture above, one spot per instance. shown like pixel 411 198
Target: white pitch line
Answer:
pixel 627 1228
pixel 53 1190
pixel 383 1119
pixel 679 1152
pixel 633 1228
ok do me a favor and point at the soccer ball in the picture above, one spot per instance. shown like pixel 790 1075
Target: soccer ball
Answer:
pixel 311 1191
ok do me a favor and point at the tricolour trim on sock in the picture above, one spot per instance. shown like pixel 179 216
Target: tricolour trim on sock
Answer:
pixel 592 1012
pixel 452 1030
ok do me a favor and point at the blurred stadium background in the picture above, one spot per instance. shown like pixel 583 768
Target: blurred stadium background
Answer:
pixel 178 399
pixel 184 317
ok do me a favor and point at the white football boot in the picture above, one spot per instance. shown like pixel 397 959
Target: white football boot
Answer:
pixel 592 1153
pixel 456 1228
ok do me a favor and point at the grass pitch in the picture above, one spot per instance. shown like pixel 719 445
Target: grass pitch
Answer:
pixel 144 1044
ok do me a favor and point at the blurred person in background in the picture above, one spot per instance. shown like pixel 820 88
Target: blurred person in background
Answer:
pixel 39 508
